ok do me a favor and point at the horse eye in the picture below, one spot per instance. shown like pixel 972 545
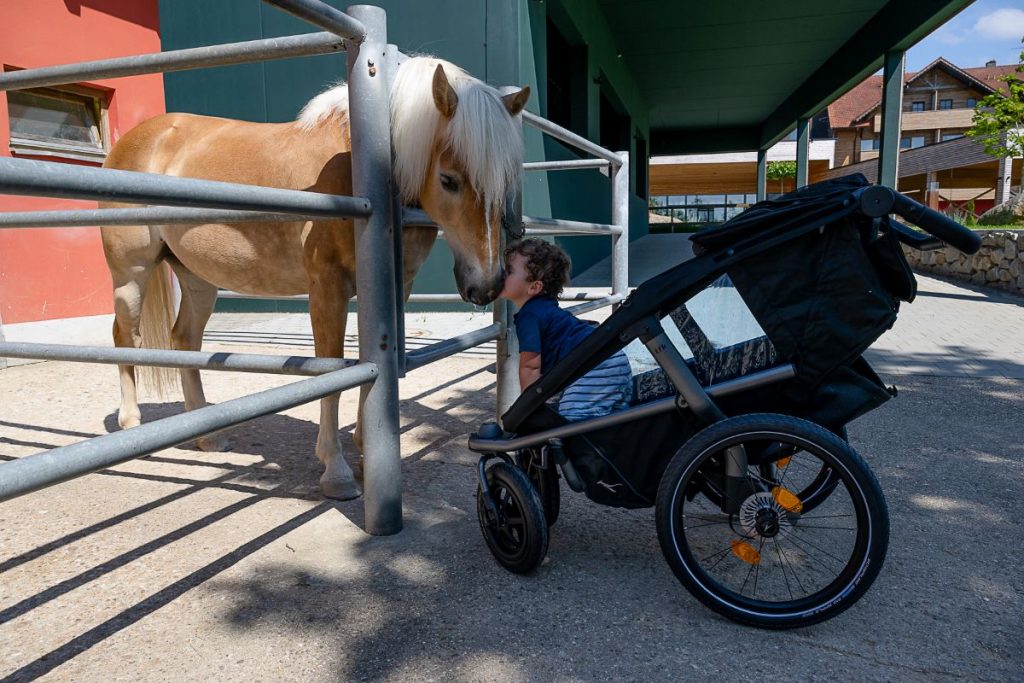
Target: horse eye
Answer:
pixel 449 182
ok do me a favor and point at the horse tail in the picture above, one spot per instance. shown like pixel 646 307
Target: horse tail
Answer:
pixel 155 327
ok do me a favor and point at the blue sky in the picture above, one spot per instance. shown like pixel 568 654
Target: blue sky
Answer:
pixel 987 29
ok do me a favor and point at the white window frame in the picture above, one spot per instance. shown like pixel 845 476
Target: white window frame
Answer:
pixel 33 145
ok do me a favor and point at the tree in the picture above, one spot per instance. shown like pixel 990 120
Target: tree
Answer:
pixel 999 119
pixel 780 170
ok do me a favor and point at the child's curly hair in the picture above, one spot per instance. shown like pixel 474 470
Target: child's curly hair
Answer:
pixel 545 261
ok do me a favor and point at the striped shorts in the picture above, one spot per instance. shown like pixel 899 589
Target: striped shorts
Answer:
pixel 605 389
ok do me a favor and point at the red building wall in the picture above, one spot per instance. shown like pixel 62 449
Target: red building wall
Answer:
pixel 60 272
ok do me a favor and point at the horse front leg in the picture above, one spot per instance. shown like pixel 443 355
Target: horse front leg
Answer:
pixel 328 311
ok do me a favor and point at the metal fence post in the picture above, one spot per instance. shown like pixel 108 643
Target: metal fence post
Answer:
pixel 620 217
pixel 375 270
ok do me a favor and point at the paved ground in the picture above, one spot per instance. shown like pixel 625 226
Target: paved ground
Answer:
pixel 194 566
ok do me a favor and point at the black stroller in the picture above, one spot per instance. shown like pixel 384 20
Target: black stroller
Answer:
pixel 764 511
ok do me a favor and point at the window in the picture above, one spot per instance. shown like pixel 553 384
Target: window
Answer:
pixel 62 123
pixel 869 144
pixel 971 103
pixel 951 136
pixel 945 104
pixel 917 106
pixel 912 142
pixel 567 81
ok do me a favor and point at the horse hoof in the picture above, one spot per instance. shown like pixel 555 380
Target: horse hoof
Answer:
pixel 213 444
pixel 129 422
pixel 339 490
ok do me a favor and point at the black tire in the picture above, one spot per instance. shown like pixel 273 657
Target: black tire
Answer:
pixel 518 539
pixel 710 551
pixel 545 481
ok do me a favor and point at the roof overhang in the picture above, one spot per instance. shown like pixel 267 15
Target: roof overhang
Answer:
pixel 719 77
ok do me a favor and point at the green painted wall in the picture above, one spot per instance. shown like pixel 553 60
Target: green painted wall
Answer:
pixel 501 41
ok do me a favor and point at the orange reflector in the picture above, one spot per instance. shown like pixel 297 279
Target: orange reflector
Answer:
pixel 782 462
pixel 745 552
pixel 787 499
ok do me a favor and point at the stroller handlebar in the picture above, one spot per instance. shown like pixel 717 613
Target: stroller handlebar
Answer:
pixel 879 200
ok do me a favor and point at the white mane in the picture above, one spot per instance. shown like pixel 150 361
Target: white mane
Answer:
pixel 482 136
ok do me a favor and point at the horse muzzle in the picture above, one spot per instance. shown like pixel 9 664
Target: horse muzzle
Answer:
pixel 475 288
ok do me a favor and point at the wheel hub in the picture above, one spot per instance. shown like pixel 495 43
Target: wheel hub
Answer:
pixel 761 516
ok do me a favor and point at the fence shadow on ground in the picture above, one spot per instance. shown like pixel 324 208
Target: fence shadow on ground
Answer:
pixel 431 602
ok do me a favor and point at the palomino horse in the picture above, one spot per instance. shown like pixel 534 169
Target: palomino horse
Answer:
pixel 458 151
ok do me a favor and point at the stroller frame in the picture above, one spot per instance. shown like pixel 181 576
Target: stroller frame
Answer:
pixel 668 291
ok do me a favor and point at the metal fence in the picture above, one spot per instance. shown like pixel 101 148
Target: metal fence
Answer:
pixel 184 200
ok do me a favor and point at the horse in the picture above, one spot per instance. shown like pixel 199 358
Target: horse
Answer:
pixel 457 153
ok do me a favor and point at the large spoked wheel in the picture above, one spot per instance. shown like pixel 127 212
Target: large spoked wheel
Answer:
pixel 546 482
pixel 518 537
pixel 761 557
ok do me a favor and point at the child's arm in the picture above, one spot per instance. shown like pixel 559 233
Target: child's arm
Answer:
pixel 529 368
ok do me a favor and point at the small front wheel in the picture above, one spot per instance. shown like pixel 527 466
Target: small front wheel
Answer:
pixel 518 536
pixel 766 558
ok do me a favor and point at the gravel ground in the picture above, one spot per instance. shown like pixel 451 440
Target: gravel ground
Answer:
pixel 196 566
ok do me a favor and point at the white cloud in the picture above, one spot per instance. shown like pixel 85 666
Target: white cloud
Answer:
pixel 1001 24
pixel 947 36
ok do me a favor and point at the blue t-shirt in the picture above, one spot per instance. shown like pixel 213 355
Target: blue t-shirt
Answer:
pixel 542 327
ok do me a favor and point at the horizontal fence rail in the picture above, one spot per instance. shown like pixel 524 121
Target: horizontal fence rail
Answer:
pixel 150 215
pixel 566 165
pixel 175 60
pixel 44 179
pixel 556 226
pixel 232 362
pixel 570 138
pixel 324 16
pixel 33 472
pixel 449 347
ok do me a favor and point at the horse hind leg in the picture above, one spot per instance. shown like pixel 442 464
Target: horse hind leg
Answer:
pixel 133 258
pixel 197 301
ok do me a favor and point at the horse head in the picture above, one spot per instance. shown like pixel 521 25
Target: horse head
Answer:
pixel 472 162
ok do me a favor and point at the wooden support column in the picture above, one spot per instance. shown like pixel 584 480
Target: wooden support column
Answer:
pixel 762 174
pixel 1004 179
pixel 803 149
pixel 892 111
pixel 931 190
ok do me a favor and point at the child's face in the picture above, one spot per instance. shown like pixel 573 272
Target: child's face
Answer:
pixel 518 287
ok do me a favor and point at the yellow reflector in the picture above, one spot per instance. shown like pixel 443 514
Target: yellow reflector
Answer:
pixel 745 552
pixel 782 462
pixel 787 499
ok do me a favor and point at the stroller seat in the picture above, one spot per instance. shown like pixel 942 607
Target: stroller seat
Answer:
pixel 709 364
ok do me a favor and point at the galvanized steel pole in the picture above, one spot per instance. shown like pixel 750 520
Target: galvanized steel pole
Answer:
pixel 174 60
pixel 149 215
pixel 375 278
pixel 326 17
pixel 44 179
pixel 163 358
pixel 620 217
pixel 34 472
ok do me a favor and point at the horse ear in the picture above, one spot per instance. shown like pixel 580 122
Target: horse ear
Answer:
pixel 444 94
pixel 515 102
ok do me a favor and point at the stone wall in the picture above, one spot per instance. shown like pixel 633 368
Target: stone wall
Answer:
pixel 999 263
